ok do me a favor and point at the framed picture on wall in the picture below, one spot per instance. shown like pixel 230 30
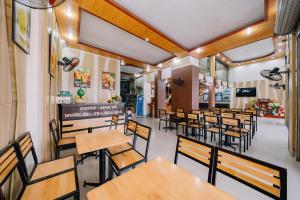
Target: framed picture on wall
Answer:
pixel 52 55
pixel 82 77
pixel 108 80
pixel 21 26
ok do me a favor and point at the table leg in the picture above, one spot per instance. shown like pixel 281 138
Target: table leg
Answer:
pixel 101 171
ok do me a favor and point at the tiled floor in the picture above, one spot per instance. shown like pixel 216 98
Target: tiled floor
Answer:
pixel 270 144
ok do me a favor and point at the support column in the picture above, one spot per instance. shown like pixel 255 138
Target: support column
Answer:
pixel 212 88
pixel 186 95
pixel 157 93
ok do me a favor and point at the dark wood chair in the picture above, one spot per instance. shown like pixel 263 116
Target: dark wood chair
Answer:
pixel 264 177
pixel 130 158
pixel 200 152
pixel 212 126
pixel 61 186
pixel 163 117
pixel 43 170
pixel 233 130
pixel 181 120
pixel 61 144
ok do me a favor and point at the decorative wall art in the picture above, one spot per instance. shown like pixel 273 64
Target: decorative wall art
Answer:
pixel 52 55
pixel 108 80
pixel 82 77
pixel 21 26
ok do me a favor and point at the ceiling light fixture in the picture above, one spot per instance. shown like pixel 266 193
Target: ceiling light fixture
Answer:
pixel 160 65
pixel 223 59
pixel 218 54
pixel 69 13
pixel 198 50
pixel 122 62
pixel 280 44
pixel 248 31
pixel 176 60
pixel 272 57
pixel 147 39
pixel 279 50
pixel 148 68
pixel 70 36
pixel 228 62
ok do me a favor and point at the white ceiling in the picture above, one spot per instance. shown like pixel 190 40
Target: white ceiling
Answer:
pixel 194 22
pixel 99 33
pixel 251 51
pixel 131 70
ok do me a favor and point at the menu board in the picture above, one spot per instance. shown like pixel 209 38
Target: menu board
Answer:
pixel 86 111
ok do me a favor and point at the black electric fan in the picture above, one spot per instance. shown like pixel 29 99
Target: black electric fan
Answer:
pixel 68 64
pixel 273 75
pixel 40 4
pixel 277 86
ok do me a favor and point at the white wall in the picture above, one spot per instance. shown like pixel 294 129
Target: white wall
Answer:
pixel 251 72
pixel 166 73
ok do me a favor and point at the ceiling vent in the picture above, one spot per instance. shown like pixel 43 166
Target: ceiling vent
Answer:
pixel 287 16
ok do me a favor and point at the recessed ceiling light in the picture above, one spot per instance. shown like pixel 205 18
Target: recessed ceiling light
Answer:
pixel 228 62
pixel 122 62
pixel 223 59
pixel 253 61
pixel 70 36
pixel 176 60
pixel 279 50
pixel 272 57
pixel 218 54
pixel 280 37
pixel 160 65
pixel 148 68
pixel 147 39
pixel 198 50
pixel 280 44
pixel 248 31
pixel 69 13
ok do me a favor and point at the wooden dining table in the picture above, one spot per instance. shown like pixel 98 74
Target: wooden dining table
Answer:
pixel 157 179
pixel 98 141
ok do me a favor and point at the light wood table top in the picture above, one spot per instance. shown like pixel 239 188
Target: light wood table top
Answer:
pixel 89 142
pixel 157 179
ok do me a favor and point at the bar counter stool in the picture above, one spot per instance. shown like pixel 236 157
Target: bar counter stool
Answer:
pixel 130 158
pixel 60 186
pixel 61 144
pixel 41 170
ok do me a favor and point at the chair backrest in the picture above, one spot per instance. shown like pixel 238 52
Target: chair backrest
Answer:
pixel 197 151
pixel 213 109
pixel 193 117
pixel 227 114
pixel 181 110
pixel 131 126
pixel 225 109
pixel 143 132
pixel 180 115
pixel 236 110
pixel 254 112
pixel 24 145
pixel 114 121
pixel 208 113
pixel 264 177
pixel 162 113
pixel 243 117
pixel 199 112
pixel 54 131
pixel 210 119
pixel 230 122
pixel 217 112
pixel 9 161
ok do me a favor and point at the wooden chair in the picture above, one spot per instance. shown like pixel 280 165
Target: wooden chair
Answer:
pixel 60 186
pixel 194 123
pixel 254 113
pixel 208 113
pixel 114 121
pixel 197 151
pixel 61 144
pixel 264 177
pixel 130 158
pixel 224 110
pixel 43 170
pixel 246 120
pixel 227 114
pixel 181 110
pixel 233 130
pixel 181 121
pixel 212 125
pixel 163 116
pixel 130 127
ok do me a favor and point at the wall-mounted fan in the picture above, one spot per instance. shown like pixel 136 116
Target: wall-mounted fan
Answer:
pixel 178 81
pixel 273 75
pixel 68 64
pixel 277 86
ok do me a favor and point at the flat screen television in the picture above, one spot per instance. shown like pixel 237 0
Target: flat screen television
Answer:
pixel 246 92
